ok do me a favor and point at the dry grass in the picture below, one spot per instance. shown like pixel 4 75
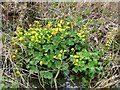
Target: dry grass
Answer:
pixel 25 13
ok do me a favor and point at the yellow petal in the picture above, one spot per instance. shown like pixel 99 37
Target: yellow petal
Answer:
pixel 41 63
pixel 16 51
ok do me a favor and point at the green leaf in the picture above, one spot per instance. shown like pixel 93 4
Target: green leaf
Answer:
pixel 49 64
pixel 65 66
pixel 86 54
pixel 46 48
pixel 32 62
pixel 92 69
pixel 14 85
pixel 84 81
pixel 48 75
pixel 37 55
pixel 38 47
pixel 75 69
pixel 77 47
pixel 58 64
pixel 72 77
pixel 30 51
pixel 41 73
pixel 36 61
pixel 2 86
pixel 33 69
pixel 31 45
pixel 70 42
pixel 66 72
pixel 28 66
pixel 92 75
pixel 45 60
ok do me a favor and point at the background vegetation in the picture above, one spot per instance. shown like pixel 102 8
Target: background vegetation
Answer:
pixel 79 41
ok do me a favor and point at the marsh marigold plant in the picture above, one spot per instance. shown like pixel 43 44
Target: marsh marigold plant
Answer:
pixel 55 47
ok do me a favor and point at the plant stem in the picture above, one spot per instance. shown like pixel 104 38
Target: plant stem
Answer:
pixel 40 81
pixel 55 79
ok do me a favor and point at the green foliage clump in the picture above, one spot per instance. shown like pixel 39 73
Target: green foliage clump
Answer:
pixel 53 48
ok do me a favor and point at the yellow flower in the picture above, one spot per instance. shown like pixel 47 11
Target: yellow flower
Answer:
pixel 61 51
pixel 67 27
pixel 37 29
pixel 32 37
pixel 49 24
pixel 19 29
pixel 17 73
pixel 61 29
pixel 36 22
pixel 82 36
pixel 13 56
pixel 33 32
pixel 59 55
pixel 30 29
pixel 82 32
pixel 78 34
pixel 20 63
pixel 84 26
pixel 13 44
pixel 37 40
pixel 20 33
pixel 60 58
pixel 30 26
pixel 61 22
pixel 54 57
pixel 16 51
pixel 59 25
pixel 21 38
pixel 65 50
pixel 53 33
pixel 49 36
pixel 72 49
pixel 67 23
pixel 76 60
pixel 56 29
pixel 41 63
pixel 76 56
pixel 36 35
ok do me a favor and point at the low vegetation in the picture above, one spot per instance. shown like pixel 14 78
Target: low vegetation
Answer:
pixel 78 46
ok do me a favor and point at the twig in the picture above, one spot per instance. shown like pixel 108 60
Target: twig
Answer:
pixel 40 81
pixel 15 80
pixel 55 79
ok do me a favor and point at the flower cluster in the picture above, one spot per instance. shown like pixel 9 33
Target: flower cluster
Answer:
pixel 51 47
